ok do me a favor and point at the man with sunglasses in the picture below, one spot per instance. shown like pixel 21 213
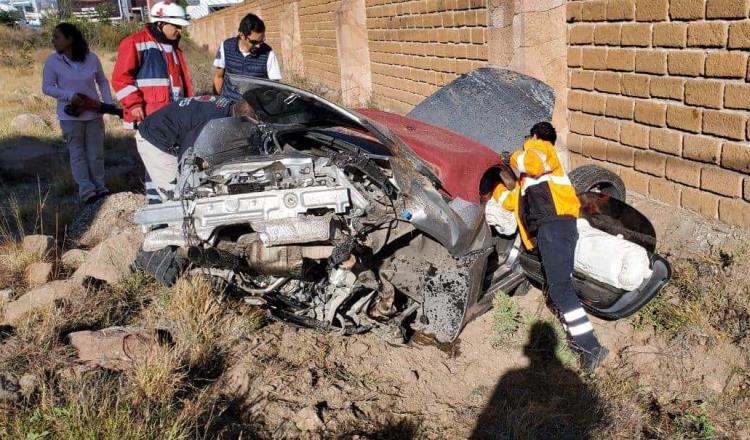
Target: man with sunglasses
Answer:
pixel 246 54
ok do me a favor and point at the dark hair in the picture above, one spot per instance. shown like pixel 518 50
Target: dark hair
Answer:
pixel 80 46
pixel 544 131
pixel 251 23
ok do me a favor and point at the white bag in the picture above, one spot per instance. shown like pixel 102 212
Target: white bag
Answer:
pixel 503 220
pixel 610 259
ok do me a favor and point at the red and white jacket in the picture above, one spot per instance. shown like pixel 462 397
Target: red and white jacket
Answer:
pixel 149 74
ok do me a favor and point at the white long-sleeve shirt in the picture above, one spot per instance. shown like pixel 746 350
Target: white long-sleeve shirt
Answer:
pixel 63 78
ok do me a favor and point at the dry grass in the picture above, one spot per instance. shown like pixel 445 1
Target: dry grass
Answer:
pixel 155 398
pixel 708 300
pixel 156 377
pixel 13 258
pixel 195 318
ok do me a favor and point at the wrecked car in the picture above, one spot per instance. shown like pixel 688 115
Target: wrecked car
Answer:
pixel 356 221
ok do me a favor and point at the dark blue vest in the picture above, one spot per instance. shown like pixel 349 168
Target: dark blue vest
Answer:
pixel 254 65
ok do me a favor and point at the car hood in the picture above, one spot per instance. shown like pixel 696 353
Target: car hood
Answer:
pixel 281 104
pixel 457 161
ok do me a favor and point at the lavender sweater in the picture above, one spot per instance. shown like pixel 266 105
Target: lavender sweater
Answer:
pixel 63 78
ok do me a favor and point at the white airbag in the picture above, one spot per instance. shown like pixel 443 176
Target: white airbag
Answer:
pixel 503 220
pixel 610 259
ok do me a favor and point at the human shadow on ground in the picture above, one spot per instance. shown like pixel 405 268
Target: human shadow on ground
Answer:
pixel 545 400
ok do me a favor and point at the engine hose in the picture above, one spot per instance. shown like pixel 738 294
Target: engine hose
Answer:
pixel 271 287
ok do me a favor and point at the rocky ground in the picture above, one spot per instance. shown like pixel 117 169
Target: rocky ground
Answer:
pixel 285 382
pixel 89 349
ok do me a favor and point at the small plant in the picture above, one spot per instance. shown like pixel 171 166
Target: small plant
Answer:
pixel 156 377
pixel 698 425
pixel 10 18
pixel 194 316
pixel 506 319
pixel 63 183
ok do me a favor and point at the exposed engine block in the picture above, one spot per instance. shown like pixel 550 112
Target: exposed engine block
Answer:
pixel 273 196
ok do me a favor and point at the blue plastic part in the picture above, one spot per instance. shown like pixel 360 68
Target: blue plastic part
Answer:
pixel 406 214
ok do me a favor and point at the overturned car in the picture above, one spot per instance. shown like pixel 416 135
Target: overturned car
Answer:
pixel 370 221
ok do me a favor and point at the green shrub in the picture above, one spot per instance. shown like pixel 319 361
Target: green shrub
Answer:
pixel 99 34
pixel 10 18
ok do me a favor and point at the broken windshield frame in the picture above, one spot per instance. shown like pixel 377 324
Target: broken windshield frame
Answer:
pixel 277 103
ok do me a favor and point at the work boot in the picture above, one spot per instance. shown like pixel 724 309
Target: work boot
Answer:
pixel 590 360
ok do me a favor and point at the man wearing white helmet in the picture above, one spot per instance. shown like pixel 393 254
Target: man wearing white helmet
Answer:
pixel 150 71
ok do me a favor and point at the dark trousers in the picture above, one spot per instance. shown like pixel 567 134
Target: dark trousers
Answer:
pixel 557 243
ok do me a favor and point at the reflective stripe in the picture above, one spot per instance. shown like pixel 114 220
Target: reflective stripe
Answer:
pixel 150 185
pixel 543 158
pixel 152 82
pixel 575 314
pixel 520 162
pixel 146 45
pixel 558 180
pixel 503 196
pixel 127 90
pixel 578 330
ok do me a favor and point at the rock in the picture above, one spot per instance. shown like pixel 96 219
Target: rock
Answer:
pixel 114 348
pixel 39 245
pixel 99 221
pixel 307 419
pixel 28 384
pixel 26 122
pixel 6 295
pixel 74 258
pixel 38 298
pixel 38 273
pixel 9 389
pixel 110 260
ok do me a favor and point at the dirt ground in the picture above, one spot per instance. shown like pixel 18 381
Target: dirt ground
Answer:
pixel 359 384
pixel 653 385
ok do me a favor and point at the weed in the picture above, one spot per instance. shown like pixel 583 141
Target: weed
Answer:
pixel 63 183
pixel 156 376
pixel 115 305
pixel 707 297
pixel 696 424
pixel 17 58
pixel 194 316
pixel 96 405
pixel 506 319
pixel 13 263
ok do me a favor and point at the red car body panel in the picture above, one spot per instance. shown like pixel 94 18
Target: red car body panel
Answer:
pixel 457 161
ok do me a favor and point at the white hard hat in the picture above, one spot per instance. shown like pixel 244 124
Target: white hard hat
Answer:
pixel 169 12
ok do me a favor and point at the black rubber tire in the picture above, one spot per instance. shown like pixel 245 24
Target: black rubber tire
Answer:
pixel 592 178
pixel 164 265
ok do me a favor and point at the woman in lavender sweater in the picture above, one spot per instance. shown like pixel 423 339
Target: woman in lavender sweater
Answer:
pixel 71 75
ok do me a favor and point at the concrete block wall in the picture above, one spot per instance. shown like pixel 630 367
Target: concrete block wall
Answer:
pixel 659 92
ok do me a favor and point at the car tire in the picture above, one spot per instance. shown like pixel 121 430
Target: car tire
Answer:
pixel 592 178
pixel 164 265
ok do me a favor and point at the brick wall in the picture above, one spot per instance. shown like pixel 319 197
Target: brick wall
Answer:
pixel 318 32
pixel 659 93
pixel 418 46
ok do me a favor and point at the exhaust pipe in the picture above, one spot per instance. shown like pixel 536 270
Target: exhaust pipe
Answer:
pixel 212 257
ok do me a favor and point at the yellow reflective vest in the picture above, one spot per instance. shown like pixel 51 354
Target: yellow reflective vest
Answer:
pixel 543 192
